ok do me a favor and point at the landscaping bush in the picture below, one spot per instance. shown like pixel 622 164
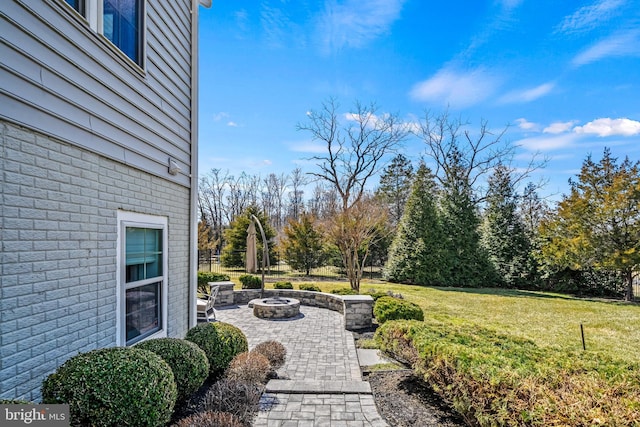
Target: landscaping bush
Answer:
pixel 283 285
pixel 220 341
pixel 390 308
pixel 188 362
pixel 250 367
pixel 114 387
pixel 204 277
pixel 344 291
pixel 274 351
pixel 309 287
pixel 493 379
pixel 15 402
pixel 238 398
pixel 250 282
pixel 376 294
pixel 210 419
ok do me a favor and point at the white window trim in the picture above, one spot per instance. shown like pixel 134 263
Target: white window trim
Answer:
pixel 94 11
pixel 133 219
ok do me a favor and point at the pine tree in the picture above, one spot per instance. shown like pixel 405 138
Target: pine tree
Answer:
pixel 302 246
pixel 234 252
pixel 466 262
pixel 416 251
pixel 503 232
pixel 395 186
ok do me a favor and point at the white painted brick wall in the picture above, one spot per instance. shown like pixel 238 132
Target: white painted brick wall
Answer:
pixel 59 229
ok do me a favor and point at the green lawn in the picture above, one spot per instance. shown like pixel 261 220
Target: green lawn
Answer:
pixel 612 328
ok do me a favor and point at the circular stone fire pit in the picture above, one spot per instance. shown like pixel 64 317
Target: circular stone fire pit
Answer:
pixel 275 307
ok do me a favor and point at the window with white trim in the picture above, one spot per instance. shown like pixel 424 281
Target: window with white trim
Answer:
pixel 142 287
pixel 120 21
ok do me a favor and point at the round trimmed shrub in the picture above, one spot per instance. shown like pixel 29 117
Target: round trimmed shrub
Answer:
pixel 250 282
pixel 114 387
pixel 274 351
pixel 389 308
pixel 309 287
pixel 220 341
pixel 204 277
pixel 250 367
pixel 188 362
pixel 283 285
pixel 210 419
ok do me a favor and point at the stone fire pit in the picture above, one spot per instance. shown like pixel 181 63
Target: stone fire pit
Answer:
pixel 275 307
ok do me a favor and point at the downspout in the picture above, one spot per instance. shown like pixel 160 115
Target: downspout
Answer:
pixel 193 220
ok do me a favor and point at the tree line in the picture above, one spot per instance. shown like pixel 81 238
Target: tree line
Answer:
pixel 464 216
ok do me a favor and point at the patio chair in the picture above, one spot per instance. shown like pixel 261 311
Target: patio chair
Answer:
pixel 205 305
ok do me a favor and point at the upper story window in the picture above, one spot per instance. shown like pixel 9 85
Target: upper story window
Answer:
pixel 120 21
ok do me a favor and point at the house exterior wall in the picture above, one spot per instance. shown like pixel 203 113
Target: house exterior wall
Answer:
pixel 59 229
pixel 60 77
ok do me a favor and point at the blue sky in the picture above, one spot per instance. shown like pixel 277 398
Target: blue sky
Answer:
pixel 564 75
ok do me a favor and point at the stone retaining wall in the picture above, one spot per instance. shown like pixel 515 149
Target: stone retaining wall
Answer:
pixel 357 310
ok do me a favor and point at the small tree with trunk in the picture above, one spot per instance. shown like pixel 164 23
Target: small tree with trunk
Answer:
pixel 357 145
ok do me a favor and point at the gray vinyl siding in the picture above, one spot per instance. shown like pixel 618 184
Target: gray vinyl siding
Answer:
pixel 59 77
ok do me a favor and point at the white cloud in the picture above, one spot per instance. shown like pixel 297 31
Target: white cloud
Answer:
pixel 548 143
pixel 589 17
pixel 559 127
pixel 314 147
pixel 624 43
pixel 353 23
pixel 525 124
pixel 610 127
pixel 457 89
pixel 527 95
pixel 220 116
pixel 232 124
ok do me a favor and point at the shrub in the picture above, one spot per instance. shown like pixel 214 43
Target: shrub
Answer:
pixel 220 341
pixel 274 351
pixel 376 294
pixel 389 308
pixel 344 291
pixel 114 387
pixel 15 402
pixel 204 277
pixel 250 367
pixel 238 398
pixel 210 419
pixel 282 285
pixel 250 282
pixel 496 379
pixel 188 362
pixel 309 287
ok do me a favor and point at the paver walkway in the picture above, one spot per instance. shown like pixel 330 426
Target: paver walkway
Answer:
pixel 320 383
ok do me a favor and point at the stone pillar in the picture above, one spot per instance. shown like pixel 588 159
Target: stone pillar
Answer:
pixel 358 311
pixel 225 294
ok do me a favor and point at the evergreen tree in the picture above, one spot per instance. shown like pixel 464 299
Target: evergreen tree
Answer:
pixel 234 252
pixel 466 262
pixel 395 186
pixel 503 232
pixel 598 224
pixel 302 246
pixel 415 255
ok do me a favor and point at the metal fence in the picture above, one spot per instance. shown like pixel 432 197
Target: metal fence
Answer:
pixel 282 270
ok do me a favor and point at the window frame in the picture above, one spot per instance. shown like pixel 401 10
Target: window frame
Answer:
pixel 126 220
pixel 93 13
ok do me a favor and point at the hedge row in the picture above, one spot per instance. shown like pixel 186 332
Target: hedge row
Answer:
pixel 493 379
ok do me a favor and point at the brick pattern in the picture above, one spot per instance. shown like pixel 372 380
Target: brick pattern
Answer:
pixel 58 259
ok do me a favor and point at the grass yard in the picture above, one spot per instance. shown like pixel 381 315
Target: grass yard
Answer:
pixel 611 328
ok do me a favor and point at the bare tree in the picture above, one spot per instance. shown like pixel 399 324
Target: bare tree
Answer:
pixel 452 146
pixel 357 144
pixel 296 196
pixel 355 150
